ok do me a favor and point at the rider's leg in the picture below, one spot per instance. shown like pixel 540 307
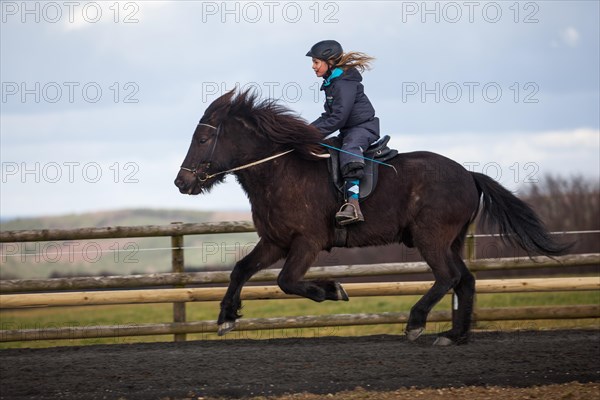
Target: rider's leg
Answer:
pixel 354 142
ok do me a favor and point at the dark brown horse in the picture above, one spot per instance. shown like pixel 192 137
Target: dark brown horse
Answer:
pixel 428 204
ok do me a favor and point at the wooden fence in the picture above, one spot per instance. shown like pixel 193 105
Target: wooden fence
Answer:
pixel 16 294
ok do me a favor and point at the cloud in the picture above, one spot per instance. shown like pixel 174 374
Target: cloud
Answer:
pixel 517 157
pixel 570 36
pixel 577 138
pixel 76 17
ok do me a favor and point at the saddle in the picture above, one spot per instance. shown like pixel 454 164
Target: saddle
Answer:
pixel 378 151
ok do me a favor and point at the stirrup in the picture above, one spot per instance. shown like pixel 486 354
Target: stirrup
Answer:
pixel 345 219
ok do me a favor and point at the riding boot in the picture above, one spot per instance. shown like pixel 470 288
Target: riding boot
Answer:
pixel 350 212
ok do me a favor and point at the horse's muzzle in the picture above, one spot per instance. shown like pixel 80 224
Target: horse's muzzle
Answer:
pixel 187 184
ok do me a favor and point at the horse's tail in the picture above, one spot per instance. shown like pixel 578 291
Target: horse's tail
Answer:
pixel 518 223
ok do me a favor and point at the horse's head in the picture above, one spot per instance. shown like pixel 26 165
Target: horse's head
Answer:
pixel 208 153
pixel 236 130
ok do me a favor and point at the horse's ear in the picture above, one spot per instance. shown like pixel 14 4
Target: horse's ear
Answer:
pixel 228 96
pixel 220 107
pixel 225 100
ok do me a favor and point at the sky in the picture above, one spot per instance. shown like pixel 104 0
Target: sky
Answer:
pixel 99 99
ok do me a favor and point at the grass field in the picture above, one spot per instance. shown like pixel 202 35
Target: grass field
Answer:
pixel 127 315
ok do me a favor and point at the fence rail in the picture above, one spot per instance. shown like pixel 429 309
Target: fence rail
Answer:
pixel 273 292
pixel 120 232
pixel 16 294
pixel 300 322
pixel 340 271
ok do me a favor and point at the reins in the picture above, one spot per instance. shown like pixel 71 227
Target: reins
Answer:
pixel 241 167
pixel 205 176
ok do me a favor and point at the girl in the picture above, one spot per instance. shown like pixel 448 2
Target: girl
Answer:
pixel 348 110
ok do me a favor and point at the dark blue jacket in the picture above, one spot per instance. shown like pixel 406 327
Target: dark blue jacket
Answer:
pixel 346 105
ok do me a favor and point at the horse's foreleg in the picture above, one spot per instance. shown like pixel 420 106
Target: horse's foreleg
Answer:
pixel 261 257
pixel 301 256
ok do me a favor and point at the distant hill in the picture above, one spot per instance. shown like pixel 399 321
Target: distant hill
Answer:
pixel 40 260
pixel 132 217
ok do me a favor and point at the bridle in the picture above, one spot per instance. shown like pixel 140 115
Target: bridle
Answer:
pixel 209 152
pixel 204 176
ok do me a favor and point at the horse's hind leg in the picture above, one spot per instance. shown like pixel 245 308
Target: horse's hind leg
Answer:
pixel 465 295
pixel 301 256
pixel 462 317
pixel 261 257
pixel 446 277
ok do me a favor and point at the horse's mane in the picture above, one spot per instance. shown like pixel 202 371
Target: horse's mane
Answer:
pixel 274 121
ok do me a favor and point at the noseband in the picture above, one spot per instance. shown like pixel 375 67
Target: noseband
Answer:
pixel 204 176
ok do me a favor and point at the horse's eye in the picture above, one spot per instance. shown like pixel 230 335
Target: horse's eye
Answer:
pixel 202 139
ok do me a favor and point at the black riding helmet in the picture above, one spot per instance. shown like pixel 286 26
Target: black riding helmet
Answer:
pixel 325 50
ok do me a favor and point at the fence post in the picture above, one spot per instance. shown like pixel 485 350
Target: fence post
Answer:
pixel 178 267
pixel 471 254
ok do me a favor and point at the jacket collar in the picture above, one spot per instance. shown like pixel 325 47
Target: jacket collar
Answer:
pixel 334 74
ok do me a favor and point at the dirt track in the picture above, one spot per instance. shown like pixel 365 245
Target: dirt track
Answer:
pixel 239 368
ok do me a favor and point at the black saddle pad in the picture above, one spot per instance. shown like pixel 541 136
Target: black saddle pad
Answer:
pixel 378 151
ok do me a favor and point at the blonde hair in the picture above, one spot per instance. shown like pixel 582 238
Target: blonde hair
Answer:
pixel 355 59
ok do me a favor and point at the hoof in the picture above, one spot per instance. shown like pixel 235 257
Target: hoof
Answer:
pixel 341 293
pixel 225 327
pixel 443 341
pixel 414 334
